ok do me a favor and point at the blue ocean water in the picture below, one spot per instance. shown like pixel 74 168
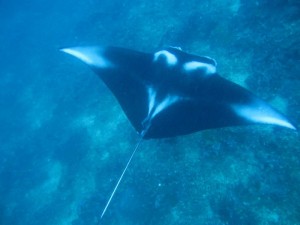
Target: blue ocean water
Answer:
pixel 65 140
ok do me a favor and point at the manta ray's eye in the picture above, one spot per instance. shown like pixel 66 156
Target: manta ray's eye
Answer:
pixel 166 56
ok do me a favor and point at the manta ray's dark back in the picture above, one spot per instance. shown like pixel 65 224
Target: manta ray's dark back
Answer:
pixel 170 92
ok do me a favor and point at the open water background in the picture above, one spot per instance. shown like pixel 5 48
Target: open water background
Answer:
pixel 64 140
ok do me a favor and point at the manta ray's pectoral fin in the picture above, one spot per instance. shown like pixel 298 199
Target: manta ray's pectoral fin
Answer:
pixel 260 112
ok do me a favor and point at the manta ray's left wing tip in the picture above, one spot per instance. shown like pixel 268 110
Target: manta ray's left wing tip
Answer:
pixel 85 54
pixel 91 55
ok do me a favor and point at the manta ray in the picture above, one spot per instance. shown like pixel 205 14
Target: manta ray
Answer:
pixel 170 93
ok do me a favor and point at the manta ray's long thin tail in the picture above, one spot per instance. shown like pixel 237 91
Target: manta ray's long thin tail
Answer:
pixel 121 177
